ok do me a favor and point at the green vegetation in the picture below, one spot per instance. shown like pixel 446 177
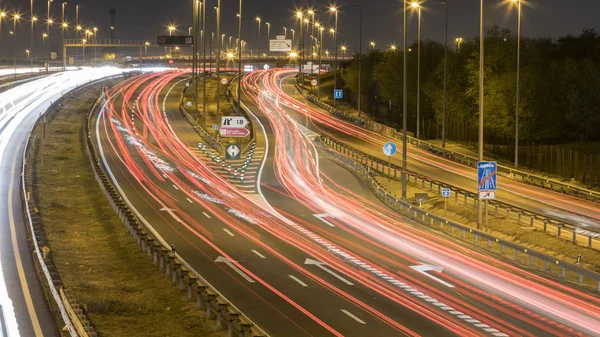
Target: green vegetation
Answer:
pixel 125 294
pixel 559 83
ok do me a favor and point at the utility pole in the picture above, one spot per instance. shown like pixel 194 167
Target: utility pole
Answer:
pixel 445 3
pixel 404 104
pixel 360 59
pixel 481 96
pixel 218 61
pixel 240 60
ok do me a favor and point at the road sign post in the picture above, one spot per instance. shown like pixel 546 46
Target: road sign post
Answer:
pixel 389 149
pixel 234 126
pixel 445 195
pixel 486 184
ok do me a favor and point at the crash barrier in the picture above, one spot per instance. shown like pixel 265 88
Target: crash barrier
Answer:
pixel 529 219
pixel 207 298
pixel 523 176
pixel 522 255
pixel 74 316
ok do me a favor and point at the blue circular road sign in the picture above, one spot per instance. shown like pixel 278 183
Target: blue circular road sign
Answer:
pixel 389 149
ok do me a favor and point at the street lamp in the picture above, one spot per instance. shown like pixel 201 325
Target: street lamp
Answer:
pixel 285 32
pixel 372 44
pixel 335 62
pixel 518 84
pixel 33 20
pixel 258 19
pixel 268 35
pixel 393 47
pixel 16 17
pixel 458 41
pixel 404 101
pixel 481 97
pixel 299 16
pixel 343 49
pixel 416 6
pixel 360 58
pixel 293 36
pixel 445 3
pixel 27 52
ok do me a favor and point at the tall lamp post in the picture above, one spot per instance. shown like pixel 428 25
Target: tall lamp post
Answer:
pixel 258 19
pixel 2 16
pixel 312 42
pixel 404 102
pixel 335 62
pixel 240 59
pixel 16 17
pixel 360 58
pixel 268 37
pixel 300 45
pixel 518 85
pixel 64 25
pixel 33 21
pixel 445 3
pixel 481 96
pixel 218 60
pixel 416 6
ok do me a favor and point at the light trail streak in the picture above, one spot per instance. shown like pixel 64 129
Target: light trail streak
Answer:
pixel 17 105
pixel 297 172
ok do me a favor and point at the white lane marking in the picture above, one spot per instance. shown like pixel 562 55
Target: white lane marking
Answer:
pixel 297 280
pixel 329 271
pixel 228 232
pixel 225 260
pixel 175 187
pixel 189 200
pixel 322 218
pixel 259 254
pixel 360 321
pixel 206 215
pixel 37 329
pixel 309 233
pixel 165 176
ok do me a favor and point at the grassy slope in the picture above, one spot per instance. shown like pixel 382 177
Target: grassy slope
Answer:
pixel 125 293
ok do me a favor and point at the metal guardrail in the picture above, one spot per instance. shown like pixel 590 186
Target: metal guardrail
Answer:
pixel 208 297
pixel 522 255
pixel 523 176
pixel 73 321
pixel 533 220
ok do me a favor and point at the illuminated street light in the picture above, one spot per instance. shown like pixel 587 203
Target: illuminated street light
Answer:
pixel 372 43
pixel 393 47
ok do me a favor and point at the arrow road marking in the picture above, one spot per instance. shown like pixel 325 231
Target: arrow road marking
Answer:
pixel 225 260
pixel 332 273
pixel 424 268
pixel 353 317
pixel 322 216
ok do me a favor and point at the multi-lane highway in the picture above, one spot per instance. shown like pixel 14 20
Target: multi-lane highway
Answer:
pixel 571 210
pixel 23 307
pixel 313 254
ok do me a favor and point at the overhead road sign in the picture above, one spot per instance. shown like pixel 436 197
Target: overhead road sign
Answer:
pixel 234 122
pixel 338 94
pixel 389 149
pixel 280 45
pixel 233 152
pixel 176 40
pixel 486 175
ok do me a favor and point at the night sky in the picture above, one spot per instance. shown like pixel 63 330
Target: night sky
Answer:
pixel 137 19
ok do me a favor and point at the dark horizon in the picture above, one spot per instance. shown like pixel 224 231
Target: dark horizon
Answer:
pixel 382 23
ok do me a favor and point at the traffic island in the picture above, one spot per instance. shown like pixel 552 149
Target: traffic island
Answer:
pixel 210 125
pixel 108 276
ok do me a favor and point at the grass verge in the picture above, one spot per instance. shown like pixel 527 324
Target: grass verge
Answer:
pixel 125 294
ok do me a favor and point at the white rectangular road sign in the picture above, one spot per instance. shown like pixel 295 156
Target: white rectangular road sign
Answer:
pixel 233 122
pixel 280 37
pixel 487 195
pixel 280 45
